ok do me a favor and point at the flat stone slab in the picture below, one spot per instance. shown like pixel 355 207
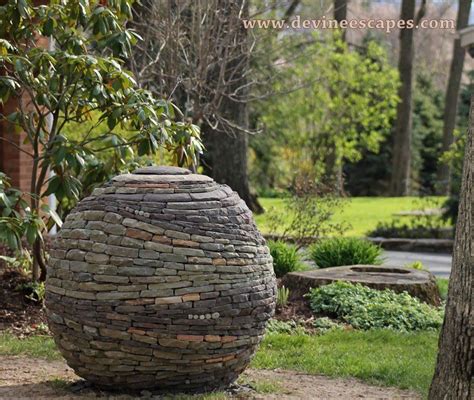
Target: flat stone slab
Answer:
pixel 421 284
pixel 162 170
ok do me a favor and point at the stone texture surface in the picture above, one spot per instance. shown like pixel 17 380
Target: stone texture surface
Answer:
pixel 160 279
pixel 421 284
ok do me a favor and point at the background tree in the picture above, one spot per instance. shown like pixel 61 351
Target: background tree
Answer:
pixel 198 53
pixel 455 364
pixel 452 94
pixel 345 103
pixel 401 162
pixel 82 74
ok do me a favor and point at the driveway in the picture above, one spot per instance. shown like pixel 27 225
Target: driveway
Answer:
pixel 438 264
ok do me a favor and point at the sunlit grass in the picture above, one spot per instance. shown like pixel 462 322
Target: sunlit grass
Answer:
pixel 362 213
pixel 382 357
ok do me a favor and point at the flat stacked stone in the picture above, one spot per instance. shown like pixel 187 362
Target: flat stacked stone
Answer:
pixel 160 279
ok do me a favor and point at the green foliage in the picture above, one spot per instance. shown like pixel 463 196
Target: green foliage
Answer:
pixel 18 219
pixel 418 265
pixel 341 251
pixel 386 357
pixel 371 174
pixel 333 103
pixel 285 257
pixel 21 260
pixel 36 346
pixel 282 296
pixel 311 206
pixel 366 308
pixel 455 155
pixel 443 284
pixel 34 291
pixel 364 213
pixel 81 73
pixel 428 110
pixel 425 222
pixel 289 327
pixel 324 324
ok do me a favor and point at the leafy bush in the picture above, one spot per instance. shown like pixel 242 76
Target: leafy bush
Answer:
pixel 336 252
pixel 285 257
pixel 282 296
pixel 366 308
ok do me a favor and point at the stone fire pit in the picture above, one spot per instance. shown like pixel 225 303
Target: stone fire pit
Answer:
pixel 421 284
pixel 161 280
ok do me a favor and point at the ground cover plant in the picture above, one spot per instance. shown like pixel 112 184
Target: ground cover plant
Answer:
pixel 366 308
pixel 334 252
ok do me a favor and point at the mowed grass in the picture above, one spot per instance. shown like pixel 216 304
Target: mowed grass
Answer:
pixel 382 357
pixel 362 213
pixel 38 346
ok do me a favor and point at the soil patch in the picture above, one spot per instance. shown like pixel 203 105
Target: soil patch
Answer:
pixel 18 315
pixel 26 378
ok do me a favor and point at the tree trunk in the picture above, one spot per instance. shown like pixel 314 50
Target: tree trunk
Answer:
pixel 225 159
pixel 452 95
pixel 455 364
pixel 340 13
pixel 400 182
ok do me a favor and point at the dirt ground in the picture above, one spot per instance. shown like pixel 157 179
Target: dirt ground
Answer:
pixel 25 378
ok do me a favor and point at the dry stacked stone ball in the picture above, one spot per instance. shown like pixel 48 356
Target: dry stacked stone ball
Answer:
pixel 161 280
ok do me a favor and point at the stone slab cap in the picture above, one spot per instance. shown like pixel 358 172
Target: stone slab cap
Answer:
pixel 161 170
pixel 162 174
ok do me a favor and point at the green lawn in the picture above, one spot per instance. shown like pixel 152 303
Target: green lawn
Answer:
pixel 382 357
pixel 363 213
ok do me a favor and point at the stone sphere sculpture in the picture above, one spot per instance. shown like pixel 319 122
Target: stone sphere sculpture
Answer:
pixel 160 279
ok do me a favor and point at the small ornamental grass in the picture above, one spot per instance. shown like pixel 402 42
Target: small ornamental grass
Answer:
pixel 337 252
pixel 285 258
pixel 366 308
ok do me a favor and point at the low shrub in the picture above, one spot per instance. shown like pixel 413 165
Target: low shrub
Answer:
pixel 366 308
pixel 336 252
pixel 285 257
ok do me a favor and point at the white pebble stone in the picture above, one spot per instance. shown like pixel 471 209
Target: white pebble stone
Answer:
pixel 146 215
pixel 208 316
pixel 190 316
pixel 202 316
pixel 215 315
pixel 196 316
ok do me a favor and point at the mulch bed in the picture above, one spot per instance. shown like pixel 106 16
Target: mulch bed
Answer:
pixel 18 315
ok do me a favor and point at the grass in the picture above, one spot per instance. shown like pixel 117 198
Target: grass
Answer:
pixel 33 346
pixel 363 213
pixel 405 360
pixel 443 287
pixel 385 357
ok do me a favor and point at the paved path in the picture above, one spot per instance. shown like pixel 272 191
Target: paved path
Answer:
pixel 438 264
